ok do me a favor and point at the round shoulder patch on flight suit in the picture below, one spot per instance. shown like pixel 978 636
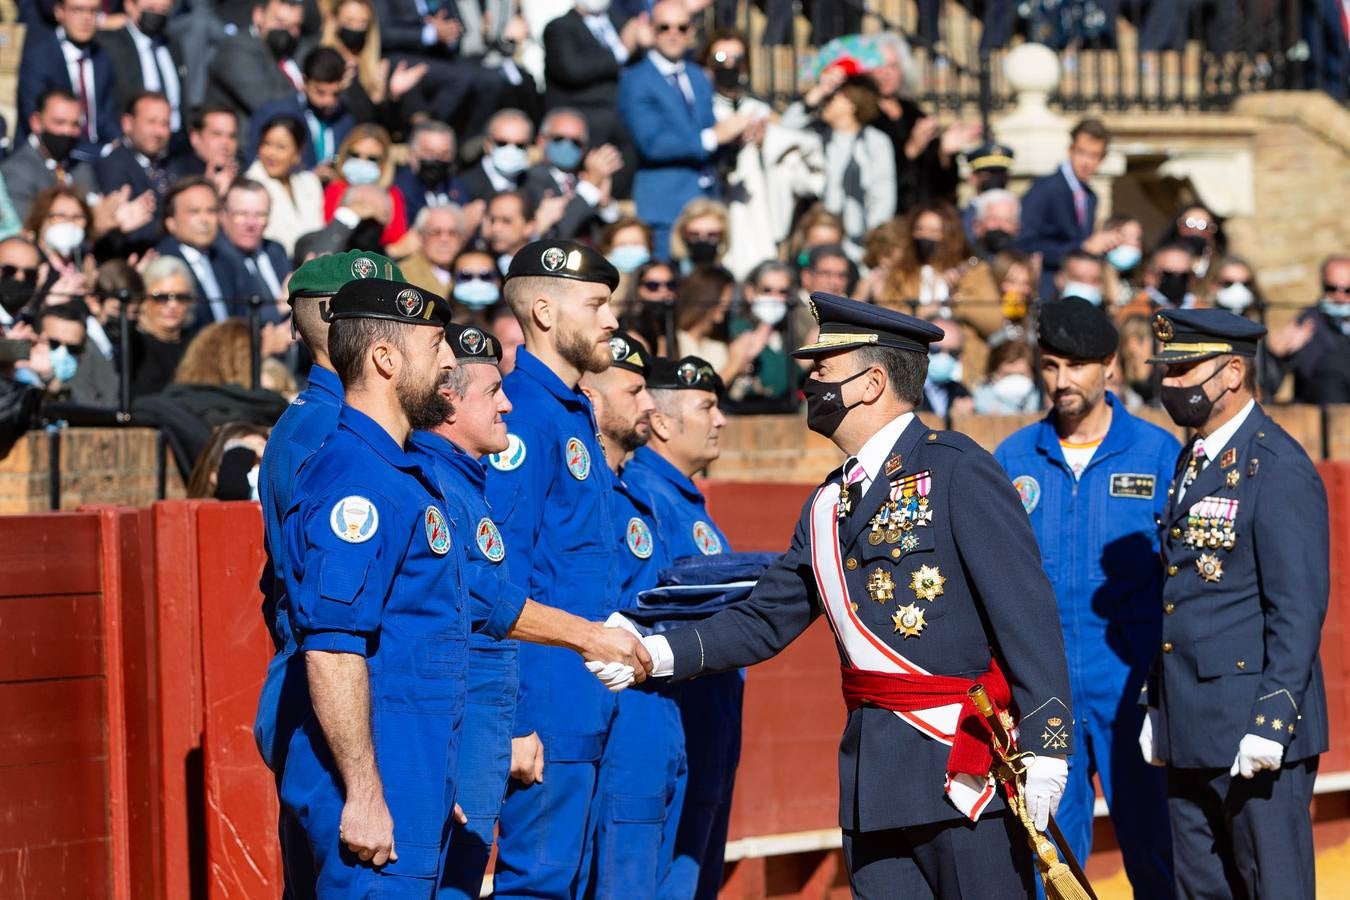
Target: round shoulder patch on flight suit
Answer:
pixel 1029 489
pixel 490 540
pixel 354 519
pixel 510 458
pixel 578 459
pixel 639 538
pixel 438 532
pixel 709 544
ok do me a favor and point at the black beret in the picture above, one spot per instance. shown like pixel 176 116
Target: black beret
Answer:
pixel 628 354
pixel 848 324
pixel 563 259
pixel 398 301
pixel 1191 335
pixel 472 344
pixel 1075 328
pixel 690 373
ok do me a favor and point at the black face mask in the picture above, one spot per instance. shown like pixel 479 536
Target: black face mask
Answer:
pixel 825 409
pixel 353 40
pixel 15 294
pixel 1190 407
pixel 726 79
pixel 1195 243
pixel 1172 285
pixel 152 24
pixel 992 181
pixel 433 172
pixel 996 241
pixel 281 42
pixel 366 235
pixel 58 146
pixel 701 252
pixel 923 248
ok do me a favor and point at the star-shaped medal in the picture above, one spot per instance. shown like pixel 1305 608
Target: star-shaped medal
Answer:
pixel 927 582
pixel 908 621
pixel 1209 566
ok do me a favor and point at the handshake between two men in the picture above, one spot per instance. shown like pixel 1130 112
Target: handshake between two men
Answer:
pixel 650 655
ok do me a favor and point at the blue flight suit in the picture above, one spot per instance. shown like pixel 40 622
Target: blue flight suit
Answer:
pixel 553 497
pixel 710 708
pixel 1099 545
pixel 1240 639
pixel 371 571
pixel 494 605
pixel 643 773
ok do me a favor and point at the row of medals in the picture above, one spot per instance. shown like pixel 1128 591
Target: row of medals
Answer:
pixel 895 523
pixel 1213 534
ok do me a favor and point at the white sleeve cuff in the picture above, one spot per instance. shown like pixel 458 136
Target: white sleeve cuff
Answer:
pixel 429 36
pixel 663 658
pixel 588 192
pixel 346 216
pixel 709 138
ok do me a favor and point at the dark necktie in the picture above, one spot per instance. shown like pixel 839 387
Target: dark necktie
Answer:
pixel 674 79
pixel 89 130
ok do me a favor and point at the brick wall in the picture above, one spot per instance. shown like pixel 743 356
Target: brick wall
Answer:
pixel 98 465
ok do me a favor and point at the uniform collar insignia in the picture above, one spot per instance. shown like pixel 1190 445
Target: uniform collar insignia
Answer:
pixel 1229 457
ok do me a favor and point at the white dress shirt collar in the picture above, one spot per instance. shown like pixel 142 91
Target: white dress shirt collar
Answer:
pixel 873 454
pixel 1218 441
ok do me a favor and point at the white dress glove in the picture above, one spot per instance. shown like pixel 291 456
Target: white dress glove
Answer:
pixel 1146 732
pixel 1256 753
pixel 1045 780
pixel 663 660
pixel 615 676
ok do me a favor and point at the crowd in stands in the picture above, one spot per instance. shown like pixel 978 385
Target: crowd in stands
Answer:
pixel 173 162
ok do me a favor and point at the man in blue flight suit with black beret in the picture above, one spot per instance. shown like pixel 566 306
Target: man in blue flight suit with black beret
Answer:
pixel 685 432
pixel 376 606
pixel 555 501
pixel 1091 477
pixel 921 557
pixel 1236 705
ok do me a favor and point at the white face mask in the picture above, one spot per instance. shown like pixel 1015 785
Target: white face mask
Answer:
pixel 1089 292
pixel 1236 297
pixel 360 171
pixel 593 7
pixel 1012 390
pixel 63 237
pixel 509 159
pixel 769 310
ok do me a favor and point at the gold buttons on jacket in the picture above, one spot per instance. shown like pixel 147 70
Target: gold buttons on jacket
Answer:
pixel 1167 646
pixel 1172 570
pixel 1169 608
pixel 1176 532
pixel 850 564
pixel 1242 664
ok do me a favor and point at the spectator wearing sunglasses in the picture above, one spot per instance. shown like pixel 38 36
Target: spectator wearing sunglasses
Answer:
pixel 364 159
pixel 573 169
pixel 58 347
pixel 1316 347
pixel 651 288
pixel 505 159
pixel 440 229
pixel 163 317
pixel 771 378
pixel 1199 230
pixel 19 262
pixel 477 287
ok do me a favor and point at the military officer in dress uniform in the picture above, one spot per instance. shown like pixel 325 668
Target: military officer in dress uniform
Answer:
pixel 685 431
pixel 555 500
pixel 919 553
pixel 376 606
pixel 1237 709
pixel 1092 478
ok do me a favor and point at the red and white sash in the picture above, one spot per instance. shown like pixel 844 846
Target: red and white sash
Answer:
pixel 865 650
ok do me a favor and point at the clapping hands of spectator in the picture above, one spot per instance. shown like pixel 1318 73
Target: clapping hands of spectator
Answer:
pixel 402 79
pixel 830 81
pixel 39 360
pixel 223 176
pixel 599 168
pixel 730 128
pixel 1103 241
pixel 754 130
pixel 637 33
pixel 448 30
pixel 136 214
pixel 1285 342
pixel 957 137
pixel 549 213
pixel 742 351
pixel 920 136
pixel 71 282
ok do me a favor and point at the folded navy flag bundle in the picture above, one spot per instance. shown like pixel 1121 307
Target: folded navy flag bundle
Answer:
pixel 695 587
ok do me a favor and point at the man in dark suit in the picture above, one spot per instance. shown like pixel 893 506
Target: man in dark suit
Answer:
pixel 1059 210
pixel 505 158
pixel 144 60
pixel 919 554
pixel 44 158
pixel 137 161
pixel 68 58
pixel 320 108
pixel 571 169
pixel 666 104
pixel 213 138
pixel 260 65
pixel 428 178
pixel 1237 707
pixel 192 221
pixel 1317 346
pixel 242 223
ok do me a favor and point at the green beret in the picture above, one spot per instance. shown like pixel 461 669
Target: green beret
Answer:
pixel 563 259
pixel 324 276
pixel 398 301
pixel 472 344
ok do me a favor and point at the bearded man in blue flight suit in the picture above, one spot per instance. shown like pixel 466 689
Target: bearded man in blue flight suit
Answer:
pixel 555 500
pixel 642 774
pixel 1091 477
pixel 685 430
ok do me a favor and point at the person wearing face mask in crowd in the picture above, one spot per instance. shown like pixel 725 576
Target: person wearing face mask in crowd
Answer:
pixel 58 349
pixel 989 164
pixel 771 382
pixel 703 326
pixel 1009 388
pixel 1169 283
pixel 146 58
pixel 68 59
pixel 227 468
pixel 1124 275
pixel 701 235
pixel 997 217
pixel 477 286
pixel 1234 287
pixel 365 160
pixel 440 232
pixel 1199 231
pixel 59 225
pixel 20 277
pixel 1316 346
pixel 944 394
pixel 576 171
pixel 320 106
pixel 627 244
pixel 44 159
pixel 429 178
pixel 650 295
pixel 253 67
pixel 505 158
pixel 1014 273
pixel 1083 275
pixel 380 91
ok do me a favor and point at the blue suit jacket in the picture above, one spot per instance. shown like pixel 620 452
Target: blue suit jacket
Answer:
pixel 43 66
pixel 415 193
pixel 229 271
pixel 1050 225
pixel 117 167
pixel 666 132
pixel 248 280
pixel 294 107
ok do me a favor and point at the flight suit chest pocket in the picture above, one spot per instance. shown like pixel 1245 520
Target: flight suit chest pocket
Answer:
pixel 1218 657
pixel 918 539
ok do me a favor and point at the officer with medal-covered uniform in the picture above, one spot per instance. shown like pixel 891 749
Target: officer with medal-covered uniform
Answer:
pixel 1093 480
pixel 377 608
pixel 553 496
pixel 685 428
pixel 920 555
pixel 1236 703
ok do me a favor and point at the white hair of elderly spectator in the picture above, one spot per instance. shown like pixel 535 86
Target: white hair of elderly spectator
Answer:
pixel 430 126
pixel 162 267
pixel 425 213
pixel 502 115
pixel 554 114
pixel 983 201
pixel 910 76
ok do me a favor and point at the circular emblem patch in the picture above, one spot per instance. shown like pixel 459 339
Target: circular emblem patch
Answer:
pixel 409 302
pixel 618 348
pixel 639 538
pixel 363 267
pixel 687 373
pixel 490 540
pixel 471 341
pixel 510 458
pixel 438 532
pixel 1029 489
pixel 554 258
pixel 578 459
pixel 354 519
pixel 709 544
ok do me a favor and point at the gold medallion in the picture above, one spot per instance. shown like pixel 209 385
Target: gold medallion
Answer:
pixel 894 532
pixel 908 621
pixel 880 586
pixel 1232 478
pixel 927 582
pixel 1209 566
pixel 876 534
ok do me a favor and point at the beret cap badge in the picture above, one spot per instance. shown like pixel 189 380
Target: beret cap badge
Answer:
pixel 409 302
pixel 553 259
pixel 363 267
